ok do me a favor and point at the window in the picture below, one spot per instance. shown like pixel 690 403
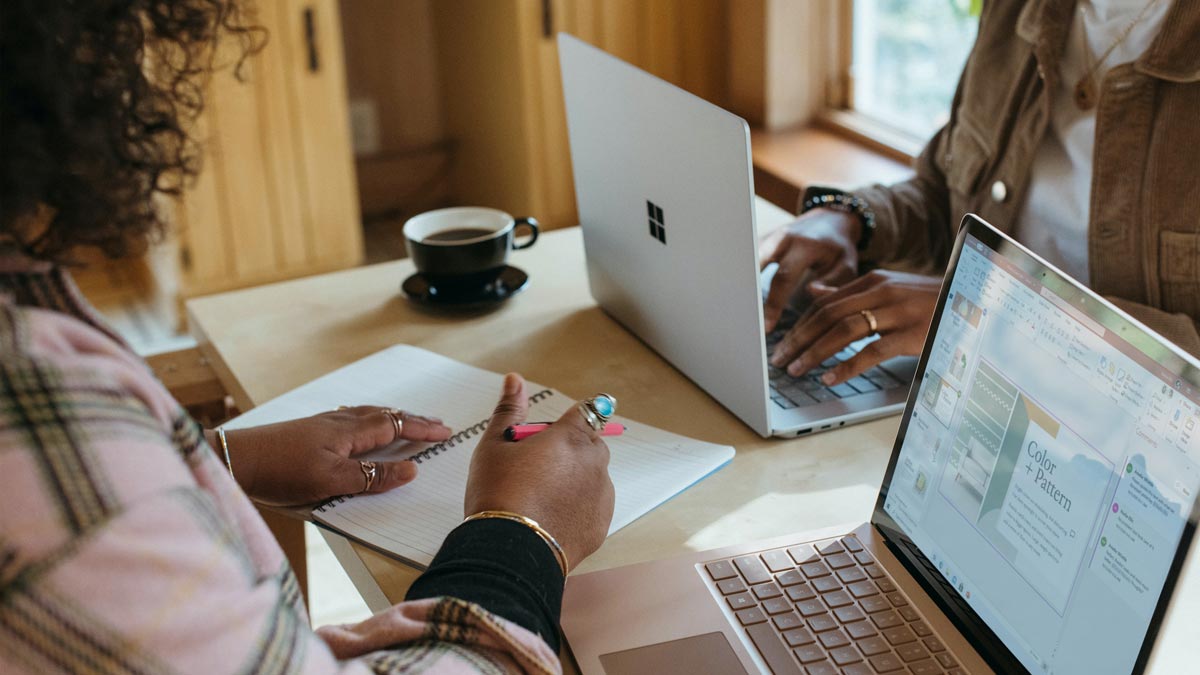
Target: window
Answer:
pixel 905 59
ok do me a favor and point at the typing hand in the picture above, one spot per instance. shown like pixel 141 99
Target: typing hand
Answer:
pixel 902 305
pixel 313 458
pixel 559 477
pixel 820 244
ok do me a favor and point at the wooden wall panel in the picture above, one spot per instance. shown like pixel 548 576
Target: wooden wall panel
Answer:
pixel 660 26
pixel 556 197
pixel 479 66
pixel 322 133
pixel 682 41
pixel 618 32
pixel 242 177
pixel 748 59
pixel 779 54
pixel 586 19
pixel 391 62
pixel 282 158
pixel 391 58
pixel 276 197
pixel 704 49
pixel 206 253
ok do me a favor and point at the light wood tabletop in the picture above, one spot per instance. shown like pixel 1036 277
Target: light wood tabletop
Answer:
pixel 268 340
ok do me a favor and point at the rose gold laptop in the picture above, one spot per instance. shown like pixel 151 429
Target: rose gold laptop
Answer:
pixel 1037 509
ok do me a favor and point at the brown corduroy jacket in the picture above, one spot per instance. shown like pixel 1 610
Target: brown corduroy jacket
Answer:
pixel 1144 224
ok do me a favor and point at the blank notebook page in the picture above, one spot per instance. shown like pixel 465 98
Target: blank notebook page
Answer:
pixel 648 465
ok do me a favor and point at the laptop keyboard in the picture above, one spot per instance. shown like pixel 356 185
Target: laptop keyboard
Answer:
pixel 828 608
pixel 789 392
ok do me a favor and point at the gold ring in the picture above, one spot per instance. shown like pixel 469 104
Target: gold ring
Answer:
pixel 397 421
pixel 343 407
pixel 871 323
pixel 368 469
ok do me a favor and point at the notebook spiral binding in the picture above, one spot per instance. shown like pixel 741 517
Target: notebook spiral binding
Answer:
pixel 329 503
pixel 437 449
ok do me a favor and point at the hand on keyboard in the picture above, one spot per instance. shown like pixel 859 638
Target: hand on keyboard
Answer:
pixel 901 304
pixel 819 245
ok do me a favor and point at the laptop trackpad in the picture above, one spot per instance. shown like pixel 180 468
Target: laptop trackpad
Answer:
pixel 708 653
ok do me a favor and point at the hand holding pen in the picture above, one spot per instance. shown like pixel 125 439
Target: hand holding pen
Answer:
pixel 595 411
pixel 557 478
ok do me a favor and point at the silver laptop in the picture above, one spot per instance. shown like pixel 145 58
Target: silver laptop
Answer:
pixel 666 200
pixel 1035 515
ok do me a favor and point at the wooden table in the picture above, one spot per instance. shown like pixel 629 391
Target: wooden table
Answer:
pixel 268 340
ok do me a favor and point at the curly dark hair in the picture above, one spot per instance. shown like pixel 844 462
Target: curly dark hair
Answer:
pixel 96 97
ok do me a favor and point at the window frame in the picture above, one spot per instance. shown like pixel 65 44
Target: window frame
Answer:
pixel 837 112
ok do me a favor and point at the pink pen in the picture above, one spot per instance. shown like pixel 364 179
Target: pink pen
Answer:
pixel 520 431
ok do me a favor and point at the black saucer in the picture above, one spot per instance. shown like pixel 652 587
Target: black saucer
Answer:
pixel 510 282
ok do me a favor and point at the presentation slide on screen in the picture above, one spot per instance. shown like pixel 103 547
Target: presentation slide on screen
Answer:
pixel 1047 473
pixel 1030 485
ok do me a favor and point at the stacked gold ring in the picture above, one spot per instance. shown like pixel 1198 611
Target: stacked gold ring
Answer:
pixel 397 417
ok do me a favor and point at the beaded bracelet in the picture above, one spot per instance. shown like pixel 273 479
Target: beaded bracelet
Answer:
pixel 845 202
pixel 531 524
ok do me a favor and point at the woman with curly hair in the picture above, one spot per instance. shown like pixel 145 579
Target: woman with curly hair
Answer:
pixel 127 543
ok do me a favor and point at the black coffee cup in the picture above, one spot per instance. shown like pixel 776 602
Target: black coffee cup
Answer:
pixel 464 247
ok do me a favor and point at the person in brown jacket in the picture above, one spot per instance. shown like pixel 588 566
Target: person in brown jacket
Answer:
pixel 1074 128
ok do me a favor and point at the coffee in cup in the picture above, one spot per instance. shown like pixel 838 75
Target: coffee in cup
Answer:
pixel 464 247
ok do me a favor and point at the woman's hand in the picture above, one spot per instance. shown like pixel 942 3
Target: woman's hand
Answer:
pixel 820 245
pixel 310 459
pixel 559 477
pixel 901 303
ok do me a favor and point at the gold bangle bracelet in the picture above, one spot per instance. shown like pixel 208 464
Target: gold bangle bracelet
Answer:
pixel 225 449
pixel 531 524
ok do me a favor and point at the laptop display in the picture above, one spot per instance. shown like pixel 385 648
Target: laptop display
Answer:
pixel 1048 469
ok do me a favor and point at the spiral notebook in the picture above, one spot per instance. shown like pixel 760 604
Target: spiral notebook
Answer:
pixel 648 465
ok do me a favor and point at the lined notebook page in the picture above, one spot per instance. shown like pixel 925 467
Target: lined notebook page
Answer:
pixel 648 466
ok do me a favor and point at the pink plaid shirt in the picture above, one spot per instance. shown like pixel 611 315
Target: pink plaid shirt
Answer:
pixel 125 546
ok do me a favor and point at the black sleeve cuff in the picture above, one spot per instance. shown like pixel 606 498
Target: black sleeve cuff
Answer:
pixel 502 566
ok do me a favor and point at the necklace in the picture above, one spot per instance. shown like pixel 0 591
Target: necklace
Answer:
pixel 1086 90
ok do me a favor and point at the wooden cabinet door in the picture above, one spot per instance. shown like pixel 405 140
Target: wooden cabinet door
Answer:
pixel 277 195
pixel 316 80
pixel 502 86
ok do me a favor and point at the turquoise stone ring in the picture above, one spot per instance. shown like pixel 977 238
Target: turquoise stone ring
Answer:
pixel 597 409
pixel 604 405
